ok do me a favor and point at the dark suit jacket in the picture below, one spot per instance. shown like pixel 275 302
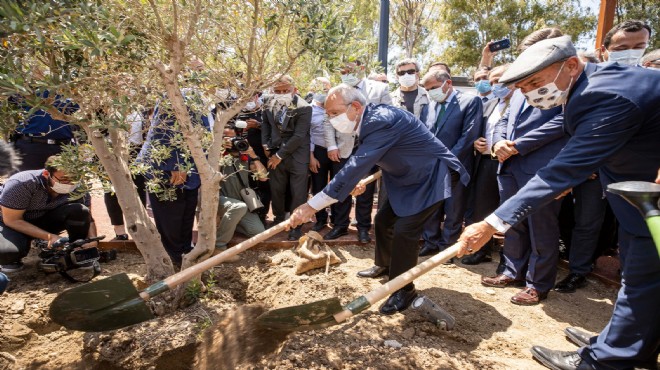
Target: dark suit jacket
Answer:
pixel 613 117
pixel 291 136
pixel 488 109
pixel 415 164
pixel 539 134
pixel 460 126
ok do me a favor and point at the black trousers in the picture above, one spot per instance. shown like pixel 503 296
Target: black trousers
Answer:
pixel 397 238
pixel 72 217
pixel 175 220
pixel 33 155
pixel 289 174
pixel 320 179
pixel 364 204
pixel 483 193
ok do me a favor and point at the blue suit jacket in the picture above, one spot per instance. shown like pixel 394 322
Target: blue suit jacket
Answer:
pixel 415 164
pixel 613 117
pixel 539 134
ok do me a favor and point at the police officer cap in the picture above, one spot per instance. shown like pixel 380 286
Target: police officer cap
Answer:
pixel 537 57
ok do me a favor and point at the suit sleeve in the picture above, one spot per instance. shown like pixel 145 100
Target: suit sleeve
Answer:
pixel 265 129
pixel 603 125
pixel 499 133
pixel 386 97
pixel 463 149
pixel 329 135
pixel 541 136
pixel 303 118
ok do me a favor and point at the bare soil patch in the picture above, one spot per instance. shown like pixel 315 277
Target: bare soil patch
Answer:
pixel 218 332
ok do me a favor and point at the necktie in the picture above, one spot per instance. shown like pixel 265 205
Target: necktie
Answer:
pixel 439 119
pixel 484 99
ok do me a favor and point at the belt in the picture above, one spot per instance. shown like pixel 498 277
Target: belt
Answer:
pixel 489 157
pixel 42 140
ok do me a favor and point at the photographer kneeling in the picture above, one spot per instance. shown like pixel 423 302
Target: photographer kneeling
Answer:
pixel 238 203
pixel 36 204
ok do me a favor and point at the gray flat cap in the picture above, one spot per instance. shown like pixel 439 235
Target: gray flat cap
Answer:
pixel 537 57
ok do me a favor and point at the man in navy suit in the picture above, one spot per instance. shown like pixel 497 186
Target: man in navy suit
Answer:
pixel 612 113
pixel 456 120
pixel 416 171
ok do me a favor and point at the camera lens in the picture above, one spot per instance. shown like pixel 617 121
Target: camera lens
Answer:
pixel 240 144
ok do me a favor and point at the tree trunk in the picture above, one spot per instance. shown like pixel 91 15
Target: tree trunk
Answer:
pixel 139 226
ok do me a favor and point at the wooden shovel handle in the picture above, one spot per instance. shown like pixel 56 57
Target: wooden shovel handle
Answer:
pixel 402 280
pixel 196 270
pixel 371 178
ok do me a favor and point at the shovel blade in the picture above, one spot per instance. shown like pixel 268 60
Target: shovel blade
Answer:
pixel 310 316
pixel 107 304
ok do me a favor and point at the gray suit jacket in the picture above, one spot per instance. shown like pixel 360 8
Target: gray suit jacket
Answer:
pixel 376 93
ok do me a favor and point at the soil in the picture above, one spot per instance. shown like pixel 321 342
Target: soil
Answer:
pixel 219 330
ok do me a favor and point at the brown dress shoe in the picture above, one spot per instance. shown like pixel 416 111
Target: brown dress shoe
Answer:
pixel 528 297
pixel 500 281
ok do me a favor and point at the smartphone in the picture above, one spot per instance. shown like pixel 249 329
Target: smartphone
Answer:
pixel 499 45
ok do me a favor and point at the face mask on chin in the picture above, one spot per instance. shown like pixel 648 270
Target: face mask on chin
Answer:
pixel 548 96
pixel 629 57
pixel 342 123
pixel 350 79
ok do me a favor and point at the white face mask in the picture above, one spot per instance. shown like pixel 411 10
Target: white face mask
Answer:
pixel 407 80
pixel 60 188
pixel 282 99
pixel 437 95
pixel 320 97
pixel 630 57
pixel 250 106
pixel 350 79
pixel 548 96
pixel 342 123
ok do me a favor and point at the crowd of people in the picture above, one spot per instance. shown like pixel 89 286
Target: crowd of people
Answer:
pixel 525 151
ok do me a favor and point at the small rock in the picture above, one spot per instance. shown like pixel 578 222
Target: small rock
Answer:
pixel 408 333
pixel 303 277
pixel 264 259
pixel 393 343
pixel 490 291
pixel 18 306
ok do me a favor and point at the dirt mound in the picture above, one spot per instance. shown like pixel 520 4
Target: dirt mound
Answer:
pixel 218 331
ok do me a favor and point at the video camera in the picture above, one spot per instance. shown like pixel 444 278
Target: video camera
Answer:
pixel 64 256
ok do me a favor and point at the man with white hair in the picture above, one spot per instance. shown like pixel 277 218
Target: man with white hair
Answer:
pixel 415 168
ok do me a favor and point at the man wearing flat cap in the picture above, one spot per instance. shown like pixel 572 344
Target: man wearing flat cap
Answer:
pixel 612 113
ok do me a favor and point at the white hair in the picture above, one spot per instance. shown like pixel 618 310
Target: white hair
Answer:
pixel 348 93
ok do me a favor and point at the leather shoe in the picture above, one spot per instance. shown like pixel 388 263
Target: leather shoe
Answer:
pixel 363 236
pixel 500 281
pixel 559 360
pixel 399 301
pixel 477 258
pixel 373 272
pixel 295 234
pixel 528 297
pixel 335 233
pixel 577 336
pixel 571 283
pixel 319 225
pixel 428 250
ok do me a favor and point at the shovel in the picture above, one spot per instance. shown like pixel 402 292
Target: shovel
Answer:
pixel 644 196
pixel 114 303
pixel 328 312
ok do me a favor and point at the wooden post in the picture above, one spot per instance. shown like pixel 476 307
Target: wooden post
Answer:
pixel 605 20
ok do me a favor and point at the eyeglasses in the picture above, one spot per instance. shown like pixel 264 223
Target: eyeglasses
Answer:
pixel 66 182
pixel 409 72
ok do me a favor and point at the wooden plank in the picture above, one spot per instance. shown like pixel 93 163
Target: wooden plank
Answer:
pixel 605 20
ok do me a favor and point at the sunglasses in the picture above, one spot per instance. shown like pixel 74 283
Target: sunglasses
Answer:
pixel 408 72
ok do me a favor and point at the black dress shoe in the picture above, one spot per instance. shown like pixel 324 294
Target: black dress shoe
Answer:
pixel 319 225
pixel 428 250
pixel 373 272
pixel 363 236
pixel 577 336
pixel 559 360
pixel 571 283
pixel 335 233
pixel 477 258
pixel 399 301
pixel 295 234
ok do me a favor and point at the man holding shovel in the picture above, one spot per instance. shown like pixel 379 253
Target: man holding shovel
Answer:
pixel 416 170
pixel 612 113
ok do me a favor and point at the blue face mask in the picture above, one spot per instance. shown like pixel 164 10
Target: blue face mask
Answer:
pixel 482 86
pixel 501 91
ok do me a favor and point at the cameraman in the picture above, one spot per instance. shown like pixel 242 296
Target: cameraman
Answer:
pixel 36 204
pixel 233 213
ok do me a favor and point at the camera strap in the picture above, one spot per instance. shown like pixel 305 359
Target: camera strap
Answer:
pixel 96 270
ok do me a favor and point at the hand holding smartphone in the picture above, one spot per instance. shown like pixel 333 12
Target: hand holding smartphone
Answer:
pixel 494 46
